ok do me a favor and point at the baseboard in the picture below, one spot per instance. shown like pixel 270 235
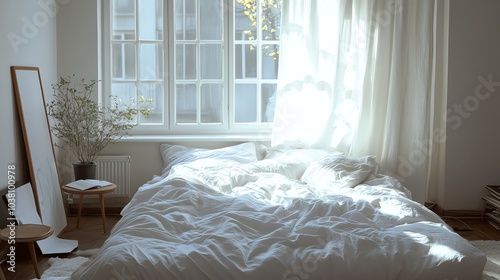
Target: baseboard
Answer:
pixel 464 214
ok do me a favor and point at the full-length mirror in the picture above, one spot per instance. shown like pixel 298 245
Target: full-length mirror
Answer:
pixel 38 142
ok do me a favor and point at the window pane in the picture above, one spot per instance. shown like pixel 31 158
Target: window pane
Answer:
pixel 185 19
pixel 245 103
pixel 271 19
pixel 125 92
pixel 211 61
pixel 155 92
pixel 124 36
pixel 211 103
pixel 123 61
pixel 185 61
pixel 245 61
pixel 268 94
pixel 270 58
pixel 123 6
pixel 150 20
pixel 245 20
pixel 211 20
pixel 151 58
pixel 123 19
pixel 185 103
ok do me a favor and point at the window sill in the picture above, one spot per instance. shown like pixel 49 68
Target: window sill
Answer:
pixel 197 138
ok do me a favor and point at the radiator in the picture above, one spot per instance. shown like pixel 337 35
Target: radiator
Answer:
pixel 115 169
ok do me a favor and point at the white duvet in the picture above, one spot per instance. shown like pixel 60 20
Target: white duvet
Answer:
pixel 258 221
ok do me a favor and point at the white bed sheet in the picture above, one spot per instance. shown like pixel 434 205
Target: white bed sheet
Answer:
pixel 218 220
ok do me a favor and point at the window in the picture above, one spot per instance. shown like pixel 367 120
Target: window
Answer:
pixel 209 65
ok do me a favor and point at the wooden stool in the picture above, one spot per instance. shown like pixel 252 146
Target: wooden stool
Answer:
pixel 28 233
pixel 100 191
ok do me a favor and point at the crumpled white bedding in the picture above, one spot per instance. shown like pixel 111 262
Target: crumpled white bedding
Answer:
pixel 218 220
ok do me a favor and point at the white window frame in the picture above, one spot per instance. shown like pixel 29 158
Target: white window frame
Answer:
pixel 169 127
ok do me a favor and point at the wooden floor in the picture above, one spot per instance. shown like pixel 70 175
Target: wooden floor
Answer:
pixel 473 229
pixel 90 235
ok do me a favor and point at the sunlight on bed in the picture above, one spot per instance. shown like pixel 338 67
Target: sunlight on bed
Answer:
pixel 444 252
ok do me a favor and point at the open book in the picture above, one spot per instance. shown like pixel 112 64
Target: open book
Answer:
pixel 88 184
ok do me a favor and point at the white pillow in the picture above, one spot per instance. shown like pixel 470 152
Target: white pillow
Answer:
pixel 306 155
pixel 177 154
pixel 338 171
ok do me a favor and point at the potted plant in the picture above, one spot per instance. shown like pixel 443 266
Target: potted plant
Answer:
pixel 84 127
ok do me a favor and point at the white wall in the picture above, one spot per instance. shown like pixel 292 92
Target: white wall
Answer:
pixel 28 38
pixel 78 50
pixel 473 134
pixel 77 39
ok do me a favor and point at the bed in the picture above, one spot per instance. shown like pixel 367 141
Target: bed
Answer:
pixel 248 212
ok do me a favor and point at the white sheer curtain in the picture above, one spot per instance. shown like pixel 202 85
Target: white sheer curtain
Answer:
pixel 361 76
